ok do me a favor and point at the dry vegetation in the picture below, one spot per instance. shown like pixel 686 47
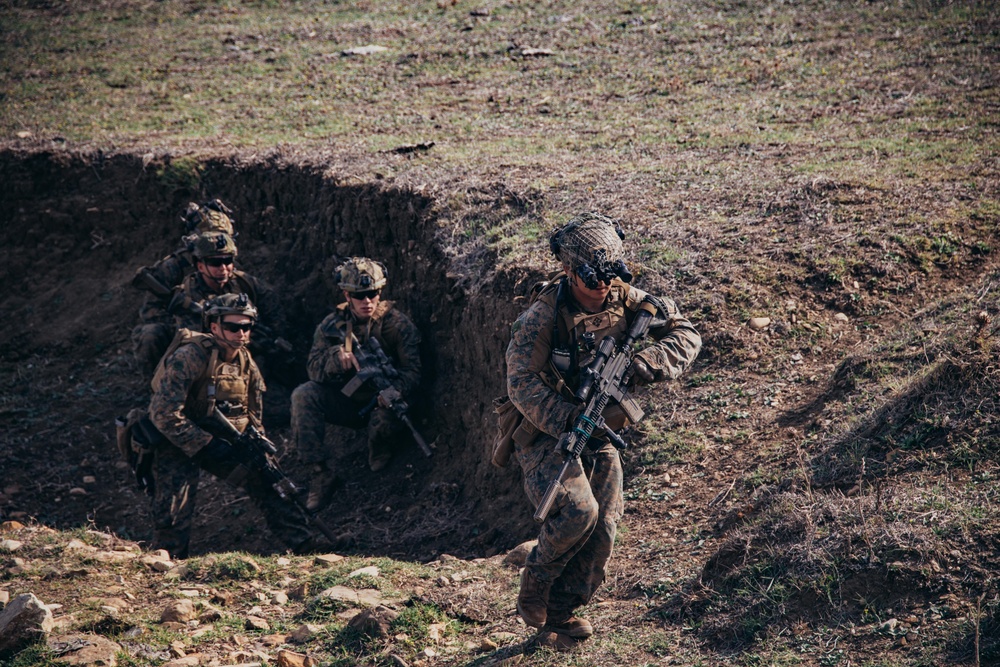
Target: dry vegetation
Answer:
pixel 818 492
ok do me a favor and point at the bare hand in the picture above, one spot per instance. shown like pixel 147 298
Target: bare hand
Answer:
pixel 347 360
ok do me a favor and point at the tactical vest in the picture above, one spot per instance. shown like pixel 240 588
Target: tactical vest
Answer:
pixel 570 344
pixel 220 383
pixel 345 329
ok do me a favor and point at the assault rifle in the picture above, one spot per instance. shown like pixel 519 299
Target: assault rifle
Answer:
pixel 145 279
pixel 259 452
pixel 605 378
pixel 377 367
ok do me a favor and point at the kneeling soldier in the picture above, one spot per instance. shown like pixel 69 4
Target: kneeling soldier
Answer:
pixel 332 365
pixel 207 371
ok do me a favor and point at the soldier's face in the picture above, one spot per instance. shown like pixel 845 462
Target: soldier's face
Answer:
pixel 590 298
pixel 363 304
pixel 217 270
pixel 233 330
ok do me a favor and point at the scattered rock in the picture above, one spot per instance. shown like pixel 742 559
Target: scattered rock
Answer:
pixel 366 597
pixel 304 633
pixel 85 650
pixel 279 598
pixel 158 562
pixel 4 599
pixel 288 658
pixel 374 622
pixel 209 615
pixel 517 555
pixel 256 623
pixel 536 53
pixel 192 660
pixel 327 559
pixel 299 592
pixel 487 645
pixel 178 611
pixel 11 526
pixel 274 640
pixel 841 317
pixel 759 323
pixel 435 631
pixel 10 545
pixel 371 571
pixel 23 622
pixel 79 545
pixel 443 581
pixel 888 626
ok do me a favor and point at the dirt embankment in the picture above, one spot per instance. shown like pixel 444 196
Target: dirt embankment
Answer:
pixel 73 229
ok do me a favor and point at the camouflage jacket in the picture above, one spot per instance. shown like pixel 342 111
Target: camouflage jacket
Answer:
pixel 544 395
pixel 169 272
pixel 183 393
pixel 395 332
pixel 270 313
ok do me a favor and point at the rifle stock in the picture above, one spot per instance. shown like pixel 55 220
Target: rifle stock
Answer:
pixel 604 378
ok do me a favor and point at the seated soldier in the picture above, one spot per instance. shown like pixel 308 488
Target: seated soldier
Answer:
pixel 332 364
pixel 208 371
pixel 152 336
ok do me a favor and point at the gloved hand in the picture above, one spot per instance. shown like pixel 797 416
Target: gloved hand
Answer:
pixel 224 460
pixel 641 372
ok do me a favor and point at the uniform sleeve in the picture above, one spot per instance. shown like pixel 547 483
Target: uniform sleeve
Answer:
pixel 540 404
pixel 184 318
pixel 677 344
pixel 325 345
pixel 166 410
pixel 402 342
pixel 255 399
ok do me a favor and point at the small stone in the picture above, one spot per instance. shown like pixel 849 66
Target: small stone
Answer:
pixel 192 660
pixel 487 645
pixel 516 556
pixel 841 317
pixel 279 598
pixel 257 623
pixel 304 633
pixel 327 559
pixel 78 491
pixel 370 571
pixel 888 626
pixel 443 581
pixel 178 611
pixel 363 50
pixel 10 545
pixel 4 599
pixel 374 622
pixel 10 526
pixel 299 592
pixel 89 479
pixel 85 650
pixel 435 631
pixel 759 323
pixel 273 640
pixel 282 561
pixel 288 658
pixel 22 622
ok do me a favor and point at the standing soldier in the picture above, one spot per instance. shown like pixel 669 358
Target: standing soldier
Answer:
pixel 152 336
pixel 207 372
pixel 550 343
pixel 332 364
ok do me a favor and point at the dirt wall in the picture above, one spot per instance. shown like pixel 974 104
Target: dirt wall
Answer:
pixel 73 229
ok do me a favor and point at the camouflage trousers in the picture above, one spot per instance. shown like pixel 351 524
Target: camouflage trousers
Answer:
pixel 149 342
pixel 577 538
pixel 176 478
pixel 314 405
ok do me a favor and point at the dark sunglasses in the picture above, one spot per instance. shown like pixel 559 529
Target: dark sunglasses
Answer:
pixel 218 261
pixel 233 327
pixel 370 294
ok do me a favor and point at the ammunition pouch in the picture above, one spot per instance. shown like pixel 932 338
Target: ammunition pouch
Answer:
pixel 137 438
pixel 509 419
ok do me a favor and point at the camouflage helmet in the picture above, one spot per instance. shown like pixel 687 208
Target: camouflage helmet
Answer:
pixel 591 245
pixel 229 304
pixel 212 216
pixel 360 274
pixel 214 244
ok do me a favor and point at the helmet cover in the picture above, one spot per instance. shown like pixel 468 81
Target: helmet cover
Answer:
pixel 360 274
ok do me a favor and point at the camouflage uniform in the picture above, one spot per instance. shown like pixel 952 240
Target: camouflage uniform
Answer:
pixel 548 348
pixel 182 391
pixel 152 336
pixel 320 400
pixel 194 289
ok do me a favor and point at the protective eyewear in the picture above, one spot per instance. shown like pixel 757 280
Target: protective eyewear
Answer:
pixel 370 294
pixel 219 261
pixel 233 327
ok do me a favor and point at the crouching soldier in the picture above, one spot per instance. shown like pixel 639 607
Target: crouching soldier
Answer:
pixel 205 372
pixel 333 363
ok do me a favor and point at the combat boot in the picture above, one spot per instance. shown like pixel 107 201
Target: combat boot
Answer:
pixel 322 483
pixel 551 641
pixel 532 599
pixel 564 623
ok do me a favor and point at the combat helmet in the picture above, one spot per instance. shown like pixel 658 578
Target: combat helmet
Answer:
pixel 214 244
pixel 212 216
pixel 591 245
pixel 229 304
pixel 360 274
